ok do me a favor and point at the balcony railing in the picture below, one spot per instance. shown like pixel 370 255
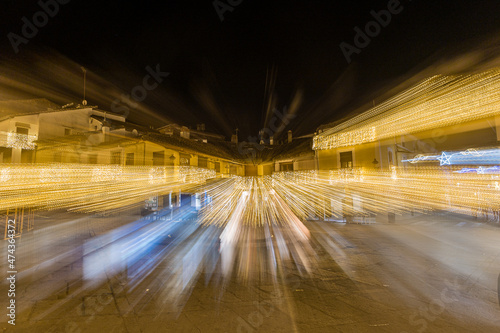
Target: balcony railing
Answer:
pixel 16 140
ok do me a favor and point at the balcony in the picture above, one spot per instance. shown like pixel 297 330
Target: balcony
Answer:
pixel 16 140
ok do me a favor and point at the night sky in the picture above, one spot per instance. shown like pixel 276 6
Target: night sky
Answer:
pixel 230 74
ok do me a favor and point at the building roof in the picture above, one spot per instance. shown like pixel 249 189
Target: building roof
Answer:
pixel 216 150
pixel 241 153
pixel 297 148
pixel 216 146
pixel 127 125
pixel 13 108
pixel 256 153
pixel 195 134
pixel 26 106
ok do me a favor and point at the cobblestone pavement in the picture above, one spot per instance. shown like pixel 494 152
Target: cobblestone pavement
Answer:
pixel 430 273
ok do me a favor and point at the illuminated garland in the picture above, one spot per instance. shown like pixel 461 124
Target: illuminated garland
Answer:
pixel 436 102
pixel 90 188
pixel 269 200
pixel 277 199
pixel 466 157
pixel 15 140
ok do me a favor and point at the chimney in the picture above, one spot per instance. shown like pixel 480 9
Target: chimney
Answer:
pixel 234 137
pixel 105 129
pixel 289 136
pixel 261 137
pixel 105 132
pixel 185 132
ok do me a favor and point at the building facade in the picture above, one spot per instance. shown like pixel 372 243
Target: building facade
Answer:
pixel 438 115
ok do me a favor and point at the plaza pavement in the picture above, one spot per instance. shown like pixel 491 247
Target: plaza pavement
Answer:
pixel 423 273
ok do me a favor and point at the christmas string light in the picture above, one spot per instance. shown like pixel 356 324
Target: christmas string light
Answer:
pixel 436 102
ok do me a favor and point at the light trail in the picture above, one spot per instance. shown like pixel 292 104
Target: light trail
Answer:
pixel 466 157
pixel 436 102
pixel 90 188
pixel 283 199
pixel 249 227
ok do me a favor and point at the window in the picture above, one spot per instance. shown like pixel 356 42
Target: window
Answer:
pixel 184 159
pixel 217 167
pixel 233 169
pixel 202 162
pixel 67 131
pixel 22 130
pixel 6 154
pixel 159 158
pixel 286 166
pixel 116 157
pixel 390 156
pixel 346 159
pixel 129 159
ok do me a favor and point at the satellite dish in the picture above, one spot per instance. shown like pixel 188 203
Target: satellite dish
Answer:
pixel 84 102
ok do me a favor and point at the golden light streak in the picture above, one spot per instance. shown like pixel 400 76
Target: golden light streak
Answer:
pixel 287 197
pixel 436 102
pixel 90 188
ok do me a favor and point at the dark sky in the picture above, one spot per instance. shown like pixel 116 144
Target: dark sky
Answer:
pixel 227 73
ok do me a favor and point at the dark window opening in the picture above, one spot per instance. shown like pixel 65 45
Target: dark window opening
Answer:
pixel 346 159
pixel 158 158
pixel 116 157
pixel 129 159
pixel 22 130
pixel 202 162
pixel 184 159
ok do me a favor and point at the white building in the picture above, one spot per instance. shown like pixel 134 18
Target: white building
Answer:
pixel 24 122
